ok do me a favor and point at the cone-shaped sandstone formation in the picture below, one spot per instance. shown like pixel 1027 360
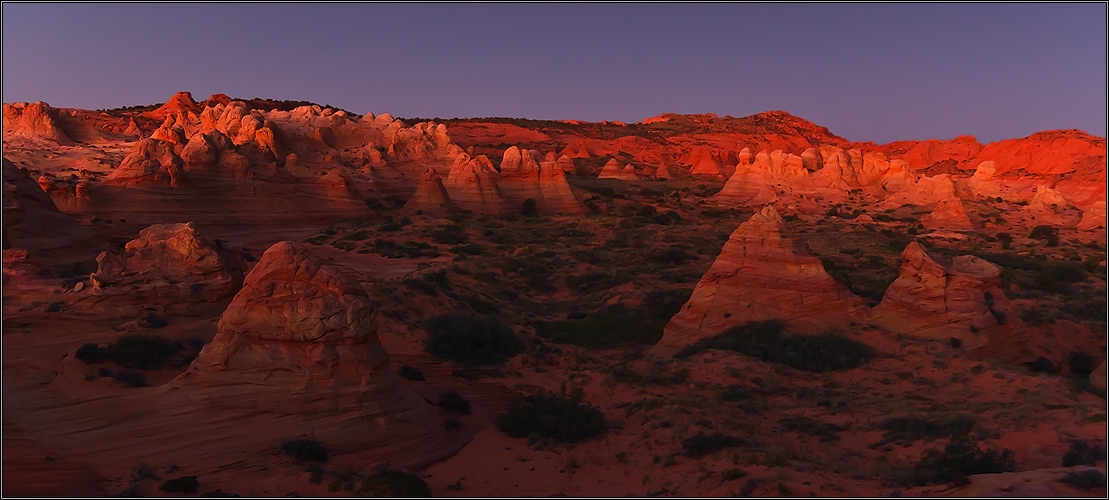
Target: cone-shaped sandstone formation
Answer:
pixel 524 175
pixel 299 338
pixel 930 300
pixel 431 197
pixel 32 121
pixel 761 275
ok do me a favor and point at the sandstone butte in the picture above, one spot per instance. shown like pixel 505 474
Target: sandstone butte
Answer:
pixel 525 174
pixel 472 185
pixel 761 274
pixel 963 300
pixel 168 264
pixel 299 338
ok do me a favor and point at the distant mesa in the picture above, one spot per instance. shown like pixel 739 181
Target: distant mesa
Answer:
pixel 760 275
pixel 300 338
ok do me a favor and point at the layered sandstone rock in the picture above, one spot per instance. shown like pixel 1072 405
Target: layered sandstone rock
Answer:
pixel 299 338
pixel 431 197
pixel 1097 377
pixel 611 170
pixel 167 264
pixel 32 222
pixel 150 161
pixel 707 161
pixel 525 175
pixel 472 185
pixel 32 121
pixel 948 214
pixel 759 275
pixel 1093 217
pixel 930 300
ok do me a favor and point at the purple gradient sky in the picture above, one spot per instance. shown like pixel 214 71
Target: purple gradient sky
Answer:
pixel 868 72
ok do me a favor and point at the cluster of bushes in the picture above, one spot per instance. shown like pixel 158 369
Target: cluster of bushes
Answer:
pixel 613 326
pixel 452 234
pixel 471 339
pixel 764 340
pixel 1086 480
pixel 702 444
pixel 535 274
pixel 453 402
pixel 407 250
pixel 135 351
pixel 596 280
pixel 671 256
pixel 304 449
pixel 912 429
pixel 1045 232
pixel 386 482
pixel 808 426
pixel 183 484
pixel 411 373
pixel 1082 453
pixel 429 283
pixel 961 457
pixel 567 419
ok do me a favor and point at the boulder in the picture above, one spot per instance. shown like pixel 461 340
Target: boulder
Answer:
pixel 760 275
pixel 167 264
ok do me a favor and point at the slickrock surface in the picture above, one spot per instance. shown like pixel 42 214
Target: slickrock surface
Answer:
pixel 33 223
pixel 759 275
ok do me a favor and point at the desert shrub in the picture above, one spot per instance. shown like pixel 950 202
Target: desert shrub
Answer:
pixel 134 378
pixel 1045 232
pixel 471 339
pixel 960 458
pixel 143 352
pixel 453 402
pixel 912 429
pixel 1041 365
pixel 1086 480
pixel 449 235
pixel 217 493
pixel 1081 364
pixel 386 482
pixel 1006 240
pixel 596 280
pixel 480 305
pixel 647 211
pixel 535 274
pixel 566 419
pixel 613 326
pixel 732 473
pixel 468 249
pixel 183 484
pixel 703 444
pixel 529 209
pixel 763 340
pixel 673 256
pixel 92 353
pixel 152 320
pixel 664 304
pixel 1081 453
pixel 390 226
pixel 304 449
pixel 411 373
pixel 808 426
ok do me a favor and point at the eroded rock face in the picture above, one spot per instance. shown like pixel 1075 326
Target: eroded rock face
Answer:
pixel 948 214
pixel 167 264
pixel 472 185
pixel 150 161
pixel 928 299
pixel 32 222
pixel 524 174
pixel 299 338
pixel 761 275
pixel 612 170
pixel 431 197
pixel 32 121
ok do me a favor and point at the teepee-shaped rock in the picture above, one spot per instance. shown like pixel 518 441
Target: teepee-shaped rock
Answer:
pixel 299 339
pixel 611 170
pixel 934 301
pixel 431 197
pixel 761 275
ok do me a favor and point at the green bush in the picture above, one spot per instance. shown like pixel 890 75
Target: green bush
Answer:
pixel 1085 480
pixel 304 449
pixel 183 484
pixel 386 482
pixel 703 444
pixel 960 458
pixel 471 339
pixel 808 426
pixel 764 340
pixel 610 327
pixel 912 429
pixel 566 419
